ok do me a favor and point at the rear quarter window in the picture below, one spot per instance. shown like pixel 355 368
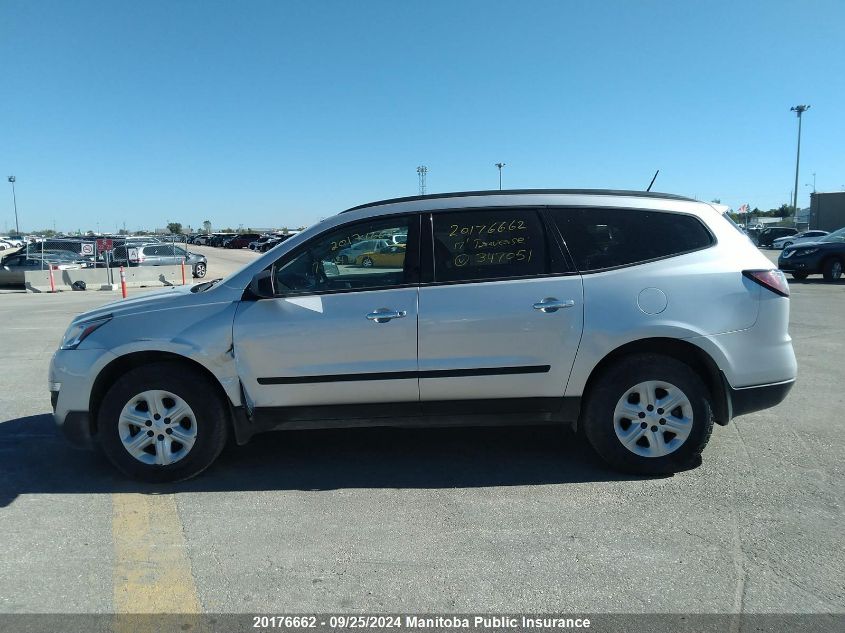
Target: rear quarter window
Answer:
pixel 599 239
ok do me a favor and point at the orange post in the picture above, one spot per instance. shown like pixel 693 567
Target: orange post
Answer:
pixel 52 280
pixel 123 281
pixel 183 271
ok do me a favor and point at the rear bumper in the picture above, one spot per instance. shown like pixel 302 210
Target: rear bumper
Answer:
pixel 756 398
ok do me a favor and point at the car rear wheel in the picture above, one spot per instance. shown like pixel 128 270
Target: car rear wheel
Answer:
pixel 160 423
pixel 199 270
pixel 832 269
pixel 649 414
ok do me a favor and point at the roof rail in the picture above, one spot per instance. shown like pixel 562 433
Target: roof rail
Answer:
pixel 517 192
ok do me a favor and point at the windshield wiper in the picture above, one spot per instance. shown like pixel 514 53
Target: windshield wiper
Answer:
pixel 205 286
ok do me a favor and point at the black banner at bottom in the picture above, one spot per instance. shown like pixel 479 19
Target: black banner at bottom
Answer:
pixel 422 623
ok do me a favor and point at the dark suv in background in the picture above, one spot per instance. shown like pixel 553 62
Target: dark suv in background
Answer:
pixel 825 256
pixel 767 236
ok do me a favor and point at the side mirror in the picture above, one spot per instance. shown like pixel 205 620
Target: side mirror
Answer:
pixel 261 285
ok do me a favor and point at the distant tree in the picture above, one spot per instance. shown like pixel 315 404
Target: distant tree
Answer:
pixel 206 226
pixel 123 232
pixel 174 227
pixel 716 201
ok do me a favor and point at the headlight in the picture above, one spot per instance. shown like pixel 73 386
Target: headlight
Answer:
pixel 78 332
pixel 807 251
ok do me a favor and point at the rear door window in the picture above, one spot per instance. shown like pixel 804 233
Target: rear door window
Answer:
pixel 487 244
pixel 609 238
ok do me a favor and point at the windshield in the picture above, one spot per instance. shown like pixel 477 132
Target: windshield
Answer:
pixel 836 236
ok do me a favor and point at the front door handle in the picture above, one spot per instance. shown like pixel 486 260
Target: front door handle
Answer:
pixel 383 315
pixel 550 304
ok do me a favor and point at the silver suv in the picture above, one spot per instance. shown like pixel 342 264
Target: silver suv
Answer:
pixel 639 319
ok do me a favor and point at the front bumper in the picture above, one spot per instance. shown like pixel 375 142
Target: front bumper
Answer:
pixel 72 373
pixel 810 264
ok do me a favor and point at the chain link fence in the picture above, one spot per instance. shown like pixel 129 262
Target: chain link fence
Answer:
pixel 106 253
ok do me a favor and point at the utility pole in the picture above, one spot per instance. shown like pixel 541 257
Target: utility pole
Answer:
pixel 500 165
pixel 422 170
pixel 798 110
pixel 15 202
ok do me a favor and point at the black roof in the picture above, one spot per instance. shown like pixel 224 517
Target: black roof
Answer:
pixel 517 192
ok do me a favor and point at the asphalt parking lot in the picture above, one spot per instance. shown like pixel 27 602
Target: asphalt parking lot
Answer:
pixel 485 520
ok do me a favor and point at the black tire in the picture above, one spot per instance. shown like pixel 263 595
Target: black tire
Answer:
pixel 199 270
pixel 799 276
pixel 832 269
pixel 611 386
pixel 195 390
pixel 367 262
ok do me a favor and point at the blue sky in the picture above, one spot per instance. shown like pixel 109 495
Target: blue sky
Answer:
pixel 274 113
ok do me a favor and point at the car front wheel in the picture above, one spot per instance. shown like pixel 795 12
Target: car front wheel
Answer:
pixel 832 270
pixel 367 262
pixel 160 423
pixel 648 414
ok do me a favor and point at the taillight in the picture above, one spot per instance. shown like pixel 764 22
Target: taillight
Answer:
pixel 773 280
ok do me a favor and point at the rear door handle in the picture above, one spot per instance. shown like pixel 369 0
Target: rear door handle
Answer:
pixel 550 304
pixel 383 315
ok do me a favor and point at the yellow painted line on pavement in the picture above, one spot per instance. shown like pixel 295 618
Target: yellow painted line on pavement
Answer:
pixel 152 572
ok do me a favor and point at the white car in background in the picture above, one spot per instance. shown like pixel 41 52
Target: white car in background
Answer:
pixel 14 242
pixel 805 236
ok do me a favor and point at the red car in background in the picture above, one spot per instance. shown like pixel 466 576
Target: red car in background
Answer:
pixel 242 241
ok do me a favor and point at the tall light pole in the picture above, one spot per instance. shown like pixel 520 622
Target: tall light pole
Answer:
pixel 798 110
pixel 500 165
pixel 15 202
pixel 422 170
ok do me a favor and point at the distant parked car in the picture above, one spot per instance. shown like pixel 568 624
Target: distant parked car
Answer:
pixel 242 241
pixel 767 236
pixel 349 255
pixel 14 240
pixel 160 255
pixel 256 244
pixel 825 256
pixel 804 236
pixel 13 267
pixel 392 256
pixel 273 242
pixel 218 239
